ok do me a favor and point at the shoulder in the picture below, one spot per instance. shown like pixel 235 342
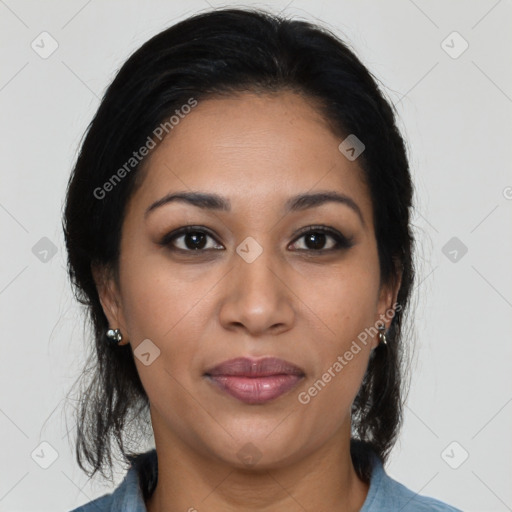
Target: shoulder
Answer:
pixel 104 503
pixel 386 494
pixel 130 495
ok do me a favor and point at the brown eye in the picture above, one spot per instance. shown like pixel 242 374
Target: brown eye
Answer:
pixel 316 239
pixel 189 239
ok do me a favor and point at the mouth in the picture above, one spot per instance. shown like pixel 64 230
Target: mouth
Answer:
pixel 255 381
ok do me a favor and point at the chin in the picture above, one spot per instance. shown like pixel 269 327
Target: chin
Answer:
pixel 260 446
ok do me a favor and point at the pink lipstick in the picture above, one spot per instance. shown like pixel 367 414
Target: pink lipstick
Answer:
pixel 255 381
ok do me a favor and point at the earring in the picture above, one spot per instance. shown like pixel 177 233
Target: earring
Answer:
pixel 382 335
pixel 115 336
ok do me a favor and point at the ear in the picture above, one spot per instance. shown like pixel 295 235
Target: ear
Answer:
pixel 387 303
pixel 110 299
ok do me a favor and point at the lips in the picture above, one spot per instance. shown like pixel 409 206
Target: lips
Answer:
pixel 255 381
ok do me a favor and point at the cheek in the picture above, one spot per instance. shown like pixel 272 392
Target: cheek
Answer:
pixel 172 310
pixel 343 302
pixel 344 308
pixel 159 298
pixel 332 387
pixel 168 311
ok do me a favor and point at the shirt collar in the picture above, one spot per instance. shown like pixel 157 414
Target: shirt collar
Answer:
pixel 138 483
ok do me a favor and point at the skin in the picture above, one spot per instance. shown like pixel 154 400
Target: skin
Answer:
pixel 202 308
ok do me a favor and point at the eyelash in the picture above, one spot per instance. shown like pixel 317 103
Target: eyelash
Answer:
pixel 341 242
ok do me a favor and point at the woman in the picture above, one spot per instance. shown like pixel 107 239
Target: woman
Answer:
pixel 238 225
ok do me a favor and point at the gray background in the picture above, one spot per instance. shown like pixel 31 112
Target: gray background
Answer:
pixel 455 113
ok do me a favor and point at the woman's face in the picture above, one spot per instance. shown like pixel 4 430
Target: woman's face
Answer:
pixel 261 283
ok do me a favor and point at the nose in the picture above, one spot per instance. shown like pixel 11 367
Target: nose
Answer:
pixel 257 298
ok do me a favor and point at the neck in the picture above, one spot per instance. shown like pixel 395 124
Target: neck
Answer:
pixel 324 480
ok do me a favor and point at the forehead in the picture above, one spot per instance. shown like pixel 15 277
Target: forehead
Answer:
pixel 255 149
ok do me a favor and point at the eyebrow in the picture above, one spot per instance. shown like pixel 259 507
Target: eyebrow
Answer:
pixel 208 201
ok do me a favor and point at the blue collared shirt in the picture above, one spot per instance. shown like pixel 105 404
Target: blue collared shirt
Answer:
pixel 384 494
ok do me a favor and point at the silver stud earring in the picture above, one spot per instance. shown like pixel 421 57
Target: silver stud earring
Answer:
pixel 382 335
pixel 115 336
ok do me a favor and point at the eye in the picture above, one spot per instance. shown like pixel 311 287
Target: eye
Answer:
pixel 195 239
pixel 189 239
pixel 316 237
